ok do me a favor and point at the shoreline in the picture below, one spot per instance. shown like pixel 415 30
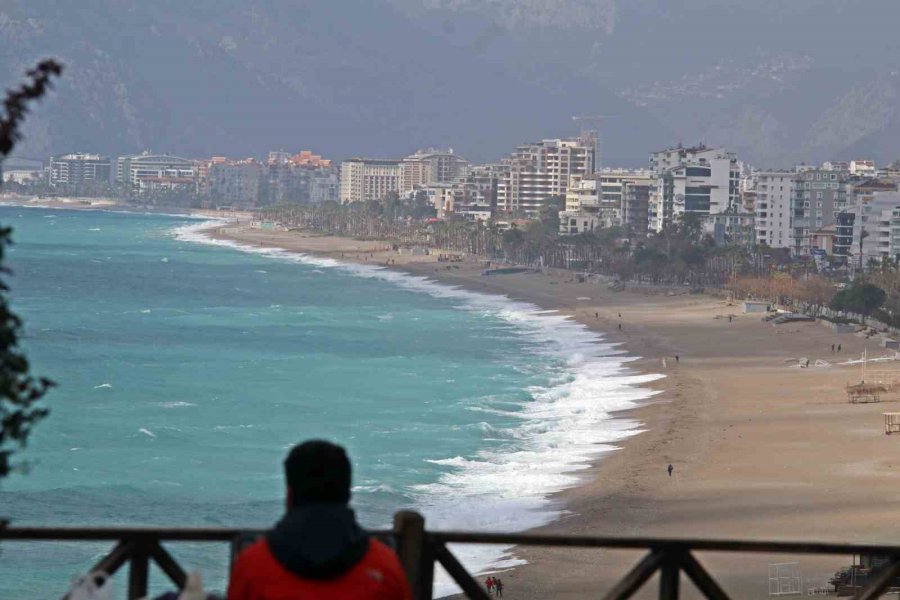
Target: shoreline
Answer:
pixel 761 450
pixel 118 206
pixel 592 363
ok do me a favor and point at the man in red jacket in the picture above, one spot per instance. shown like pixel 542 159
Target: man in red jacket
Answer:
pixel 317 550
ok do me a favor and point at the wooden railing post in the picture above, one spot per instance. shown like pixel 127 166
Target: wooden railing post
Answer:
pixel 669 578
pixel 139 570
pixel 415 553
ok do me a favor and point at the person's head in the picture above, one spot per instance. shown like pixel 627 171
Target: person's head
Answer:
pixel 317 471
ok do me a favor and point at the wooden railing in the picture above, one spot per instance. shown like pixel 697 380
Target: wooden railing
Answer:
pixel 419 550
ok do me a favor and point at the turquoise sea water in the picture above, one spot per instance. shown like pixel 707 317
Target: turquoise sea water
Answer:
pixel 186 370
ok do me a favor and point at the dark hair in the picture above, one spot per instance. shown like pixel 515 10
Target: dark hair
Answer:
pixel 318 471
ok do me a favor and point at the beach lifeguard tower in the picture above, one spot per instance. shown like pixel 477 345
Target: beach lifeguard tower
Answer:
pixel 891 422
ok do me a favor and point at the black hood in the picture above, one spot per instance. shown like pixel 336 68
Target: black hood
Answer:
pixel 318 541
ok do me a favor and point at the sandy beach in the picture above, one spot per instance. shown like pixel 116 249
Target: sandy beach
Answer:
pixel 761 449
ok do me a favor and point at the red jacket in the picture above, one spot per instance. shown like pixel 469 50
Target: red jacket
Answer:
pixel 257 575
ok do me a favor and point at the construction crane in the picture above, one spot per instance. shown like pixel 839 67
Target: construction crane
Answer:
pixel 591 135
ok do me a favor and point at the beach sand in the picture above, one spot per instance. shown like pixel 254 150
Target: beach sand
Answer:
pixel 761 450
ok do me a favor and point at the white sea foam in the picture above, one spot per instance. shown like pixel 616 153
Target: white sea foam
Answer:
pixel 95 229
pixel 557 433
pixel 147 432
pixel 176 404
pixel 102 386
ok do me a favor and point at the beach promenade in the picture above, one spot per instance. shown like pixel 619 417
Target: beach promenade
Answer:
pixel 760 449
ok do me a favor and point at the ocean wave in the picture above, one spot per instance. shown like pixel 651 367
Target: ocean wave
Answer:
pixel 558 430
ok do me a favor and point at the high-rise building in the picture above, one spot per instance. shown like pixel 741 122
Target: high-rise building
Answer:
pixel 324 186
pixel 71 170
pixel 364 179
pixel 235 181
pixel 869 230
pixel 774 194
pixel 793 206
pixel 699 180
pixel 628 192
pixel 300 178
pixel 427 167
pixel 818 196
pixel 147 172
pixel 537 172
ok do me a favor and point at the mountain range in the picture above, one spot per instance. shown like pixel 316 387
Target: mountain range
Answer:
pixel 777 82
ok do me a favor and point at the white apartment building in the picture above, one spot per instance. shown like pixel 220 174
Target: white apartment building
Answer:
pixel 698 180
pixel 792 206
pixel 427 167
pixel 583 210
pixel 879 219
pixel 364 179
pixel 536 172
pixel 146 172
pixel 774 194
pixel 74 169
pixel 863 168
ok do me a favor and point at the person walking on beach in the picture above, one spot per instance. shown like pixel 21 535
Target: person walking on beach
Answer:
pixel 676 358
pixel 620 327
pixel 489 584
pixel 670 469
pixel 839 347
pixel 832 347
pixel 498 585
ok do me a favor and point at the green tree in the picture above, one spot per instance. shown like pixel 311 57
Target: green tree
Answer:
pixel 861 298
pixel 20 392
pixel 548 215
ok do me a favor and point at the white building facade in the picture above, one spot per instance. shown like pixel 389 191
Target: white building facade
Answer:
pixel 536 172
pixel 699 180
pixel 774 196
pixel 365 179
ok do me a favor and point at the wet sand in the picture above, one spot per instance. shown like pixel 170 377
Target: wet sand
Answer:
pixel 761 450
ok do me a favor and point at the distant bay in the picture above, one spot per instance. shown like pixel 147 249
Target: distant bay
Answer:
pixel 187 370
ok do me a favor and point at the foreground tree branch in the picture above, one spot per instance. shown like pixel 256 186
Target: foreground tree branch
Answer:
pixel 20 392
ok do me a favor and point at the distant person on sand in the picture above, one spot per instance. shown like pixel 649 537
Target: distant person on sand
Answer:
pixel 839 347
pixel 489 584
pixel 670 469
pixel 318 550
pixel 620 327
pixel 832 347
pixel 498 585
pixel 676 358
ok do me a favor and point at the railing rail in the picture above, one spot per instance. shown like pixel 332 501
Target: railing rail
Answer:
pixel 419 549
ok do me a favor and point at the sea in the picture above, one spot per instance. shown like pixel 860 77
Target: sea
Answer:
pixel 186 368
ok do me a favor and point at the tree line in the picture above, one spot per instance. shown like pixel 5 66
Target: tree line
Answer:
pixel 681 254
